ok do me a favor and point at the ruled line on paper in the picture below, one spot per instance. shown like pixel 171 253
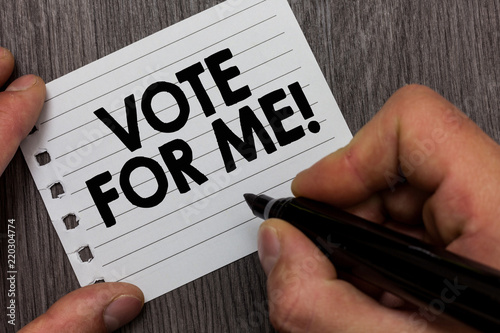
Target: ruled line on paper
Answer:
pixel 189 248
pixel 138 121
pixel 173 190
pixel 192 225
pixel 149 74
pixel 120 108
pixel 156 50
pixel 140 98
pixel 195 245
pixel 211 194
pixel 174 233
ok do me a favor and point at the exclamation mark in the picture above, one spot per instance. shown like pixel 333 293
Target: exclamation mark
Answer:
pixel 304 106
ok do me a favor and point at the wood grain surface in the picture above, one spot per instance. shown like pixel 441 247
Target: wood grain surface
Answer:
pixel 366 49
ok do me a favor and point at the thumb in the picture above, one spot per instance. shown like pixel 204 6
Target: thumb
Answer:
pixel 102 307
pixel 298 273
pixel 20 105
pixel 306 296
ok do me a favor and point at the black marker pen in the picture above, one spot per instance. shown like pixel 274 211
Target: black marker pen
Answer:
pixel 428 276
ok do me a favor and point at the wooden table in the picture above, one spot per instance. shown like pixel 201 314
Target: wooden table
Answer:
pixel 366 49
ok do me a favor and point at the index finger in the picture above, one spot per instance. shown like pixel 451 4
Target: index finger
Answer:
pixel 417 132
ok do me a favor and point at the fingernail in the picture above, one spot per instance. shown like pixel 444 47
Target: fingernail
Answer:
pixel 269 248
pixel 23 83
pixel 121 311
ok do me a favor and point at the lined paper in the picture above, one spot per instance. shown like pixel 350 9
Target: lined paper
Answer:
pixel 186 235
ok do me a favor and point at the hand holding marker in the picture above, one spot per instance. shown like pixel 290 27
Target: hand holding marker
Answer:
pixel 403 265
pixel 448 197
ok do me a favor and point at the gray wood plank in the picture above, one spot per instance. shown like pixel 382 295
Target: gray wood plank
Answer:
pixel 366 49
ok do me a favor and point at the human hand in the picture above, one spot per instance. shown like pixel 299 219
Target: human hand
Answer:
pixel 101 307
pixel 450 197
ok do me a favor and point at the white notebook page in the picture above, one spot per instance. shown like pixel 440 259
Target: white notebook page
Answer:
pixel 155 145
